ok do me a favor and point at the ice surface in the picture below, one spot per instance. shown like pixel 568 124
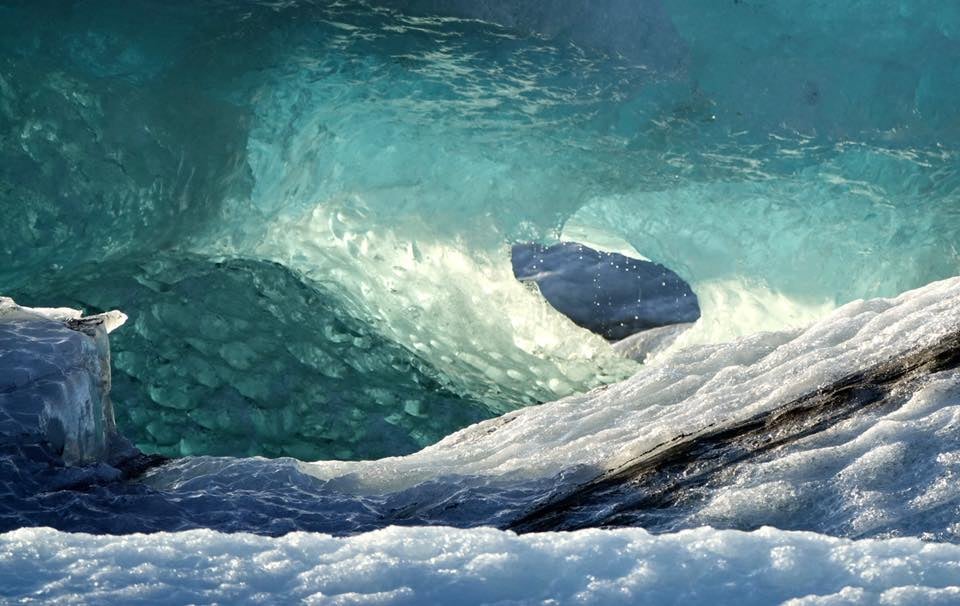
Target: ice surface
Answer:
pixel 883 473
pixel 892 473
pixel 394 158
pixel 55 382
pixel 461 311
pixel 390 157
pixel 650 343
pixel 830 70
pixel 479 566
pixel 639 29
pixel 279 190
pixel 610 294
pixel 495 471
pixel 268 364
pixel 681 393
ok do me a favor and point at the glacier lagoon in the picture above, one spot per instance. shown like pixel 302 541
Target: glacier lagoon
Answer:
pixel 307 210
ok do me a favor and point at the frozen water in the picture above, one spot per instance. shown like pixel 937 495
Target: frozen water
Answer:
pixel 307 209
pixel 266 365
pixel 883 473
pixel 649 343
pixel 680 394
pixel 479 566
pixel 392 156
pixel 607 293
pixel 55 382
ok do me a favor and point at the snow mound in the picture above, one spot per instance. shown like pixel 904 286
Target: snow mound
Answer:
pixel 478 566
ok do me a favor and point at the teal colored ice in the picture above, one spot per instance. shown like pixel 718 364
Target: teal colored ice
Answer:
pixel 306 208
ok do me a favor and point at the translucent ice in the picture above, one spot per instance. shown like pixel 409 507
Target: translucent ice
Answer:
pixel 392 155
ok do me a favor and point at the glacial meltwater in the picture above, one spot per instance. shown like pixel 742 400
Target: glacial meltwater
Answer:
pixel 493 301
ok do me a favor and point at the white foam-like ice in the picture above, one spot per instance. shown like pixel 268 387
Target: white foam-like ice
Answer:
pixel 436 300
pixel 681 393
pixel 878 475
pixel 478 566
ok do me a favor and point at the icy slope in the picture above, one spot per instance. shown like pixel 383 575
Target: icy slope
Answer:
pixel 883 467
pixel 683 393
pixel 480 566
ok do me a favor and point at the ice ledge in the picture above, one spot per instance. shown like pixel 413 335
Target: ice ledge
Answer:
pixel 73 318
pixel 55 382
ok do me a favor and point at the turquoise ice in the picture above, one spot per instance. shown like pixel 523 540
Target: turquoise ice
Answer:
pixel 782 160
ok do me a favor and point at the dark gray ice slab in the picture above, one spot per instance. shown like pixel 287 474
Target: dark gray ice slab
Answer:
pixel 607 293
pixel 55 381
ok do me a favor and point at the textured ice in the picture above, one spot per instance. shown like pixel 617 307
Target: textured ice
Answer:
pixel 892 473
pixel 394 158
pixel 649 343
pixel 886 473
pixel 267 365
pixel 479 566
pixel 828 234
pixel 639 29
pixel 55 383
pixel 883 66
pixel 682 393
pixel 277 192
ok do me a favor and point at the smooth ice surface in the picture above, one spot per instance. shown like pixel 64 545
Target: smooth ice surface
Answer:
pixel 610 294
pixel 479 566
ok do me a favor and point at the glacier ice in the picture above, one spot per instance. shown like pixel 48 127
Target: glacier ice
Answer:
pixel 493 471
pixel 650 343
pixel 307 209
pixel 607 293
pixel 267 365
pixel 683 392
pixel 392 156
pixel 881 470
pixel 55 381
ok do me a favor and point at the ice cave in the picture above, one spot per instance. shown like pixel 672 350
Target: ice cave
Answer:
pixel 480 302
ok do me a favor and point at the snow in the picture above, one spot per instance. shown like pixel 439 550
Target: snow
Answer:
pixel 680 393
pixel 478 566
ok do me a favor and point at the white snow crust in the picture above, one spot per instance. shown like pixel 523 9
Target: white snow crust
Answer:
pixel 480 566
